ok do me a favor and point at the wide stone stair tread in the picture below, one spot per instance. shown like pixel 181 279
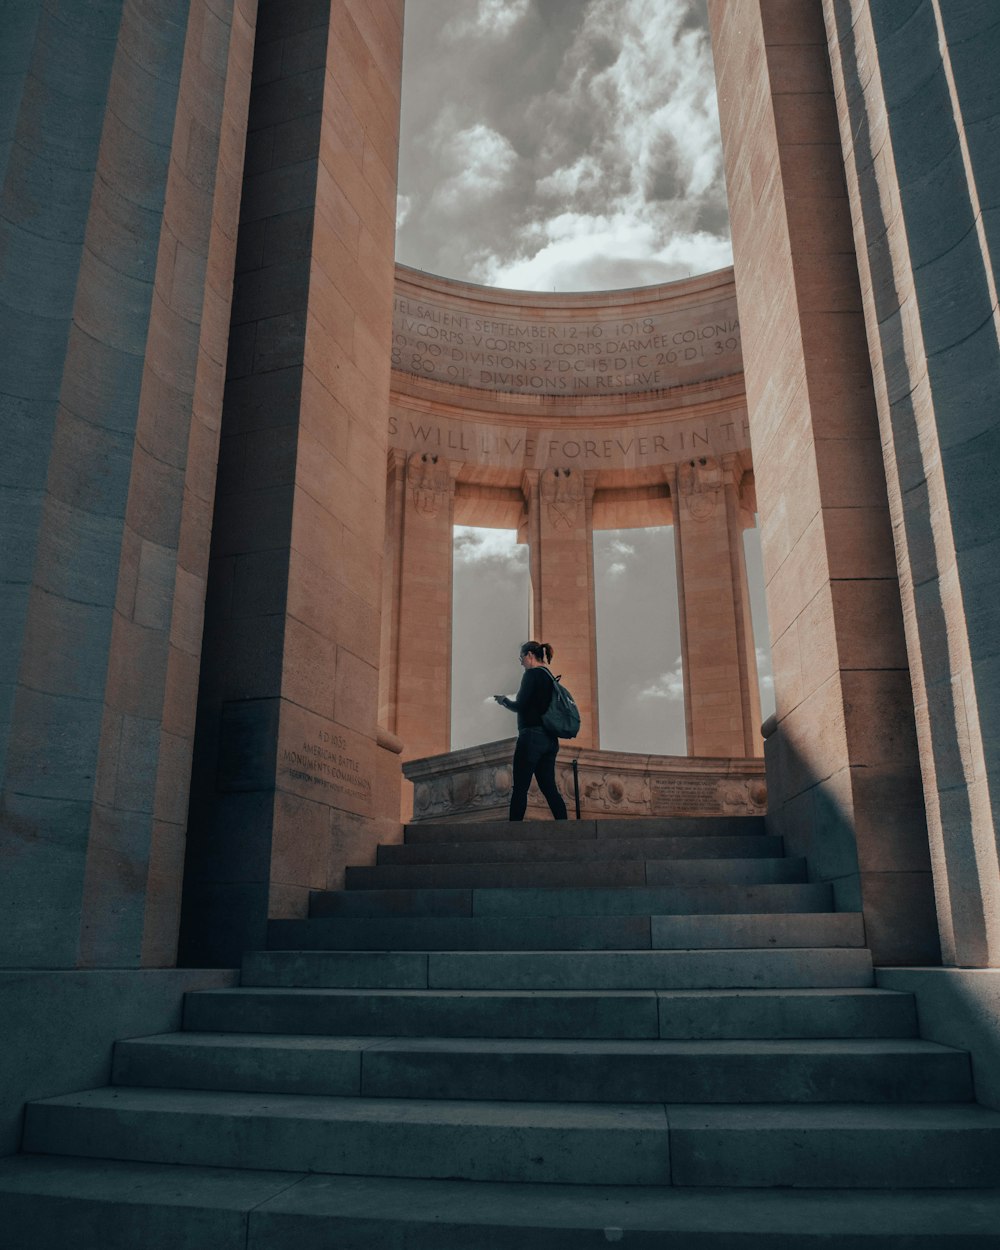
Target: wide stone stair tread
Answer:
pixel 514 852
pixel 570 1070
pixel 125 1205
pixel 485 933
pixel 840 1145
pixel 577 1143
pixel 599 872
pixel 567 901
pixel 563 970
pixel 546 830
pixel 858 1146
pixel 675 1014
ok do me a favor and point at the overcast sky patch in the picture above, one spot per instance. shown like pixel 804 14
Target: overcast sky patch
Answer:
pixel 560 144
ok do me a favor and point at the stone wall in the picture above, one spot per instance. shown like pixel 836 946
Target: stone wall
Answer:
pixel 918 114
pixel 120 167
pixel 843 766
pixel 290 782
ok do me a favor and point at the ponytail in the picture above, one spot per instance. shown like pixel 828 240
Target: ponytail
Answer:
pixel 540 650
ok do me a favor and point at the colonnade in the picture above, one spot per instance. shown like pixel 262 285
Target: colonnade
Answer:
pixel 707 499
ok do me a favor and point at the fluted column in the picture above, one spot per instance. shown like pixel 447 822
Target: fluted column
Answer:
pixel 561 546
pixel 721 701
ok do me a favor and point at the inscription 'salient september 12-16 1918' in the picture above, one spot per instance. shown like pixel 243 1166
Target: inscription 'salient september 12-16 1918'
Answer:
pixel 557 354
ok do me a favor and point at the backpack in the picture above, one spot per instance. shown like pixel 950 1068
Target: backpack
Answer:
pixel 563 716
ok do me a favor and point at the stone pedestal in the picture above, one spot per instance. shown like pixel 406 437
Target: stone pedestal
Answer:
pixel 561 556
pixel 721 698
pixel 474 784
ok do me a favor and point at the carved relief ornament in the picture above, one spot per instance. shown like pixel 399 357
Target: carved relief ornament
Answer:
pixel 429 481
pixel 562 491
pixel 699 483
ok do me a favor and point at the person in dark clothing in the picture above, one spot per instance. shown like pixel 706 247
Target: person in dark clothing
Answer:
pixel 536 749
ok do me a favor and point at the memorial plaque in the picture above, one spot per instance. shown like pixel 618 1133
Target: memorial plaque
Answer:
pixel 685 796
pixel 561 352
pixel 321 760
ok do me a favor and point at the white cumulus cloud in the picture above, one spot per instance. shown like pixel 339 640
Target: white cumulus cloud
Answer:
pixel 562 144
pixel 669 685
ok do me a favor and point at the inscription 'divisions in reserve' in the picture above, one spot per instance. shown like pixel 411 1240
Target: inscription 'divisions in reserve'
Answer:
pixel 546 357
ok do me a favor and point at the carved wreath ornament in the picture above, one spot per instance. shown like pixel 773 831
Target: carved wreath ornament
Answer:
pixel 562 493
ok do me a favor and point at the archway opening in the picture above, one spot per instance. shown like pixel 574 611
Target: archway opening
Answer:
pixel 639 671
pixel 490 611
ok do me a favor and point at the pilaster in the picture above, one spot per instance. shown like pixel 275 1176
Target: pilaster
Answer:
pixel 561 560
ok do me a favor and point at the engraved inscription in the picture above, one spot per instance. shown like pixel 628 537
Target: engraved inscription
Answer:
pixel 658 444
pixel 552 354
pixel 670 796
pixel 323 762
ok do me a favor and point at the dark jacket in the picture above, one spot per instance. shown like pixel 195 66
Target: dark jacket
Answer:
pixel 533 698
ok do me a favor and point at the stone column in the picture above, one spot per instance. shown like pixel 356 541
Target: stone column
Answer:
pixel 422 661
pixel 918 112
pixel 721 701
pixel 561 560
pixel 290 780
pixel 843 769
pixel 120 166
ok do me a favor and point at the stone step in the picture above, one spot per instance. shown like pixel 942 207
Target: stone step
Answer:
pixel 562 970
pixel 583 850
pixel 676 1014
pixel 573 1143
pixel 637 827
pixel 842 1146
pixel 563 933
pixel 608 872
pixel 845 1145
pixel 570 1070
pixel 597 901
pixel 123 1206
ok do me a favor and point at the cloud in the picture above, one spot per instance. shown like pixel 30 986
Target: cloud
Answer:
pixel 764 674
pixel 492 18
pixel 477 546
pixel 669 685
pixel 568 144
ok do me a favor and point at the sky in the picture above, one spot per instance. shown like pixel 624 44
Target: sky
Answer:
pixel 565 145
pixel 560 144
pixel 640 676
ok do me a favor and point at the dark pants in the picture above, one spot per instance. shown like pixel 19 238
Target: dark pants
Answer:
pixel 535 755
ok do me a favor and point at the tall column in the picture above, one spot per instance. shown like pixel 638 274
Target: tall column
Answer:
pixel 424 607
pixel 843 769
pixel 561 561
pixel 119 203
pixel 289 784
pixel 721 700
pixel 918 112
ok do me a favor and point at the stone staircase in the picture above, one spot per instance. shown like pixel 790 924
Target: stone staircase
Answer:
pixel 651 1032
